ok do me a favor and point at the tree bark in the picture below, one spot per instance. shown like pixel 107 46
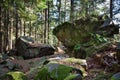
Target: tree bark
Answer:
pixel 45 27
pixel 10 33
pixel 16 22
pixel 59 9
pixel 21 27
pixel 72 11
pixel 1 34
pixel 48 21
pixel 35 33
pixel 30 28
pixel 65 11
pixel 111 9
pixel 24 28
pixel 6 22
pixel 0 17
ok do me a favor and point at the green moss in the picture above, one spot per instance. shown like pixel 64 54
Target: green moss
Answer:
pixel 42 74
pixel 74 60
pixel 61 26
pixel 97 47
pixel 14 76
pixel 71 77
pixel 77 61
pixel 78 32
pixel 71 34
pixel 55 71
pixel 61 72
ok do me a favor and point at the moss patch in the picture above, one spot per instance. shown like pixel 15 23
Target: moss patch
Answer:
pixel 14 76
pixel 55 71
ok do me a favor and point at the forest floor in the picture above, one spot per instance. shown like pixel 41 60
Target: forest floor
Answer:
pixel 96 70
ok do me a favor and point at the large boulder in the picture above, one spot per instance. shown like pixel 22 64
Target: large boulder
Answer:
pixel 28 49
pixel 54 71
pixel 60 68
pixel 81 31
pixel 116 76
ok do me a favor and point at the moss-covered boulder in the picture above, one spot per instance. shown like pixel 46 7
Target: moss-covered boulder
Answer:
pixel 116 76
pixel 55 71
pixel 81 32
pixel 62 69
pixel 72 62
pixel 14 76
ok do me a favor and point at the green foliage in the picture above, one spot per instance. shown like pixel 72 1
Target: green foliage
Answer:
pixel 41 5
pixel 98 38
pixel 77 47
pixel 14 76
pixel 96 43
pixel 30 10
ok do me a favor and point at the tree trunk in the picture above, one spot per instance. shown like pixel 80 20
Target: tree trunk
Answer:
pixel 30 28
pixel 86 10
pixel 65 11
pixel 1 26
pixel 6 22
pixel 16 27
pixel 21 27
pixel 111 9
pixel 48 21
pixel 35 33
pixel 0 17
pixel 10 34
pixel 45 27
pixel 24 28
pixel 1 41
pixel 16 22
pixel 72 11
pixel 59 9
pixel 1 34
